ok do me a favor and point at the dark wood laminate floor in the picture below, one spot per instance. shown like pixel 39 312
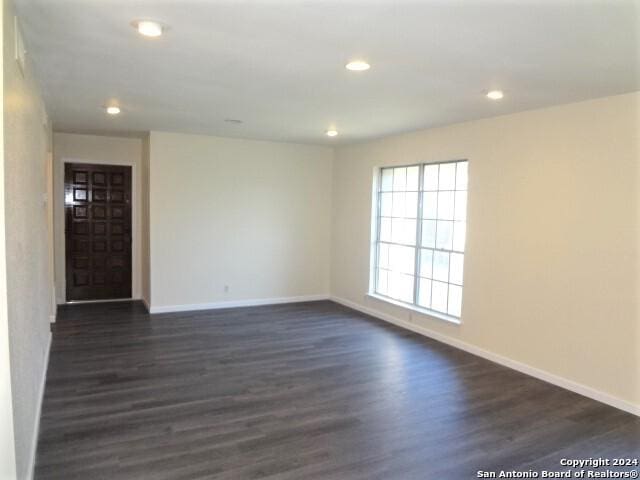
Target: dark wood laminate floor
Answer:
pixel 302 391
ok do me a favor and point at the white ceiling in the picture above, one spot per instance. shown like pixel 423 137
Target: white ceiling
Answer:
pixel 279 65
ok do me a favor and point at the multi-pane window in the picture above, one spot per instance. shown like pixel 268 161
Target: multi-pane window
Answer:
pixel 421 229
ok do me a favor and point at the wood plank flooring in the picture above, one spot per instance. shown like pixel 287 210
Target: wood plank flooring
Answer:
pixel 301 391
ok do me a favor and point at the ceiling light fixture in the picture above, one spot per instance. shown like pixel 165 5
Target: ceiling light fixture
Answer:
pixel 113 110
pixel 332 133
pixel 357 66
pixel 495 94
pixel 148 28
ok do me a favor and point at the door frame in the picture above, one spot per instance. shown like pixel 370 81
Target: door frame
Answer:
pixel 135 246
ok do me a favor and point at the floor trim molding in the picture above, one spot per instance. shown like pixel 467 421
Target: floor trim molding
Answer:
pixel 36 429
pixel 496 358
pixel 237 303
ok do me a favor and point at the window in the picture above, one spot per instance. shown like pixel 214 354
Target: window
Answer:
pixel 421 230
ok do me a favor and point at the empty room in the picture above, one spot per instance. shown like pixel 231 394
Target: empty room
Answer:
pixel 320 239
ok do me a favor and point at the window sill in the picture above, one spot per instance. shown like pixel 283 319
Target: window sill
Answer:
pixel 413 308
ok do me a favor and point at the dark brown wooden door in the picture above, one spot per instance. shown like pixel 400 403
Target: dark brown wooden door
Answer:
pixel 98 231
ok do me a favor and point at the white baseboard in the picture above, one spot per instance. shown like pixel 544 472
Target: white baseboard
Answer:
pixel 236 303
pixel 36 428
pixel 496 358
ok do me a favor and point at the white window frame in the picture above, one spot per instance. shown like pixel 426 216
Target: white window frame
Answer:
pixel 376 227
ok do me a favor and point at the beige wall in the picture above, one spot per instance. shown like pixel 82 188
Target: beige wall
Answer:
pixel 551 271
pixel 248 214
pixel 26 142
pixel 7 443
pixel 100 150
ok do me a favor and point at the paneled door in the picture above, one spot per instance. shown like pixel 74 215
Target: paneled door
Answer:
pixel 97 204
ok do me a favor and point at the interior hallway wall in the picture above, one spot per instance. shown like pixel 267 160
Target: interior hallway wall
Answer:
pixel 7 440
pixel 27 140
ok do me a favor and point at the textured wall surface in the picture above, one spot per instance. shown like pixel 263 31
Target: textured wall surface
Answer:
pixel 26 143
pixel 7 444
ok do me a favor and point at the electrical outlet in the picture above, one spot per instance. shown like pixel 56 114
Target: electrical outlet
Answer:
pixel 226 289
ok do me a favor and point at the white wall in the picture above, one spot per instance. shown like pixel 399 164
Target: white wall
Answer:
pixel 69 147
pixel 248 214
pixel 551 271
pixel 26 142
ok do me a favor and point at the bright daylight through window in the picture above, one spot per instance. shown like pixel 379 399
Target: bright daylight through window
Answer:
pixel 420 235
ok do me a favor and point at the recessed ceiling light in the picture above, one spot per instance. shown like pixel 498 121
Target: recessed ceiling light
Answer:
pixel 357 66
pixel 332 133
pixel 113 110
pixel 495 94
pixel 148 28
